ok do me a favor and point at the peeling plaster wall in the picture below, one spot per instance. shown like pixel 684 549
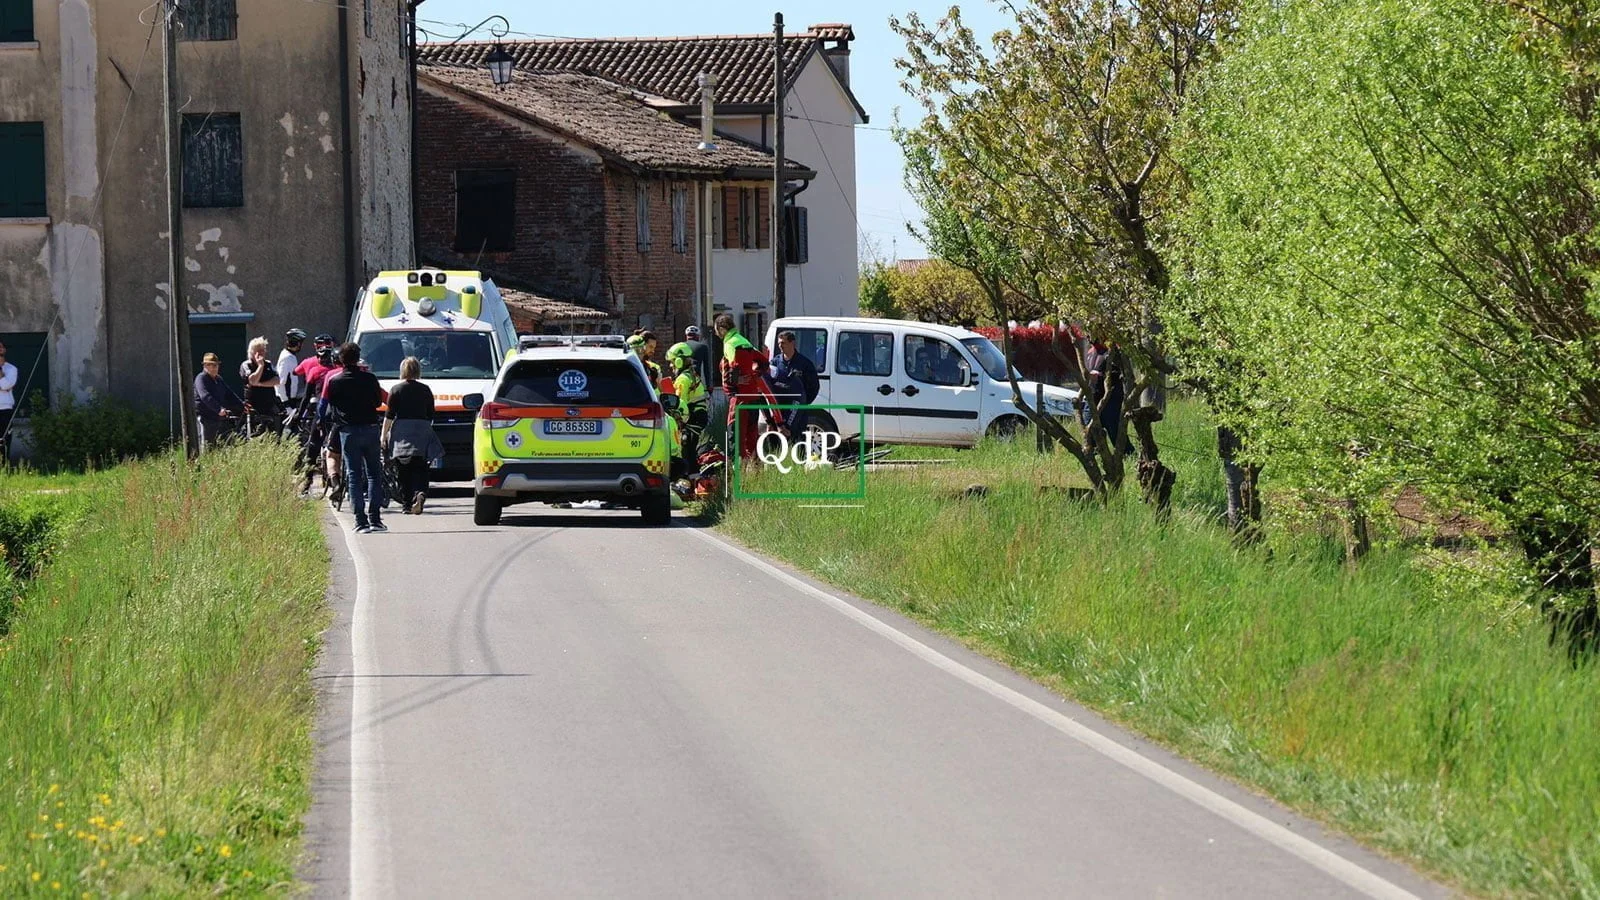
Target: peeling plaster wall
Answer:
pixel 280 256
pixel 381 91
pixel 51 273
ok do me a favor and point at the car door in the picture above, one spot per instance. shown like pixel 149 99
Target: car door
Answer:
pixel 865 373
pixel 937 404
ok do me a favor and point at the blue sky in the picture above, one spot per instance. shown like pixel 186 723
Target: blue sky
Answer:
pixel 883 206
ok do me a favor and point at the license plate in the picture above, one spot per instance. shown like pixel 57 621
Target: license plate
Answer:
pixel 572 426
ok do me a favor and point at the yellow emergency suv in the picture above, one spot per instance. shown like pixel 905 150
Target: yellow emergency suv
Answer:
pixel 571 419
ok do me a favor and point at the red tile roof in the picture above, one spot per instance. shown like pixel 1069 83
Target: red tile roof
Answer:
pixel 666 66
pixel 529 309
pixel 613 120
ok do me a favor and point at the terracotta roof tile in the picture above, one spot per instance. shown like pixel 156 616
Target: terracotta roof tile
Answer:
pixel 528 308
pixel 618 122
pixel 668 66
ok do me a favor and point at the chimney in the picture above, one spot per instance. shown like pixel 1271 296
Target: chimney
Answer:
pixel 836 38
pixel 708 90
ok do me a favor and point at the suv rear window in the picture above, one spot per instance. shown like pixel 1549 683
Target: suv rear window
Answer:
pixel 588 382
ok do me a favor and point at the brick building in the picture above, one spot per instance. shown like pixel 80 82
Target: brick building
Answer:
pixel 577 194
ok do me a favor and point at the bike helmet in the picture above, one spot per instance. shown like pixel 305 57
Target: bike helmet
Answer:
pixel 681 350
pixel 294 335
pixel 636 343
pixel 692 332
pixel 324 340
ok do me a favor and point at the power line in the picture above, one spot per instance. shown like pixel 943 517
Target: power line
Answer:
pixel 828 162
pixel 99 196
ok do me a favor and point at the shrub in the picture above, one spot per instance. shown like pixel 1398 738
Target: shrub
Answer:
pixel 28 538
pixel 76 436
pixel 1034 357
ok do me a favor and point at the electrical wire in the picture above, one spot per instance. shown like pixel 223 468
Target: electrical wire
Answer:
pixel 94 206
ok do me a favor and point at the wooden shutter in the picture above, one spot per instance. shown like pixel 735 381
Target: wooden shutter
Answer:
pixel 730 218
pixel 763 218
pixel 208 20
pixel 22 170
pixel 16 20
pixel 213 160
pixel 796 236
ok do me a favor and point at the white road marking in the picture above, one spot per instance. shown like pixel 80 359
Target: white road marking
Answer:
pixel 1311 852
pixel 369 831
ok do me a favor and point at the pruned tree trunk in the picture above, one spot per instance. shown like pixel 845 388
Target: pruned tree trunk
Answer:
pixel 1357 538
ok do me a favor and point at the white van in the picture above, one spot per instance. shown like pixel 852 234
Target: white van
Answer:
pixel 919 383
pixel 457 325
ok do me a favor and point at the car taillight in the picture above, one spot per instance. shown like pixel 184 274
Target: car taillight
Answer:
pixel 499 415
pixel 650 419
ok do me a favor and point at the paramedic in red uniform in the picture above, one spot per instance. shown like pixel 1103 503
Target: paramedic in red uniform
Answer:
pixel 744 370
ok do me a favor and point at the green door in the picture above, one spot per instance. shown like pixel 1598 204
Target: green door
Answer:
pixel 226 340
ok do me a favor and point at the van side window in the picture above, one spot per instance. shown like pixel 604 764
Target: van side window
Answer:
pixel 813 344
pixel 865 353
pixel 933 361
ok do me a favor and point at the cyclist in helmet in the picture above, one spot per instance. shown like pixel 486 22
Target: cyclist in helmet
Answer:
pixel 291 387
pixel 694 399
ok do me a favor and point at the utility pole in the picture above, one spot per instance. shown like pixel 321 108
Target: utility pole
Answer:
pixel 177 302
pixel 708 144
pixel 779 274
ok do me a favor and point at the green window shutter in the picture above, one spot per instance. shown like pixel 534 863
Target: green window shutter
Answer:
pixel 21 169
pixel 23 349
pixel 16 20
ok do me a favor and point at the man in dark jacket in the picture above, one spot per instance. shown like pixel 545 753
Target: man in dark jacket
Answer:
pixel 353 399
pixel 215 403
pixel 701 353
pixel 794 378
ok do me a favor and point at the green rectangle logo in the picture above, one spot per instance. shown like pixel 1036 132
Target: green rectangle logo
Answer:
pixel 804 469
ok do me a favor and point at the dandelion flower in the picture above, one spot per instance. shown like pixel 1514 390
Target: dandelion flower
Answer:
pixel 60 825
pixel 43 817
pixel 37 876
pixel 55 885
pixel 161 832
pixel 54 788
pixel 225 851
pixel 105 799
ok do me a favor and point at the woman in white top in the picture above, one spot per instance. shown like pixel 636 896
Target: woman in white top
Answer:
pixel 8 404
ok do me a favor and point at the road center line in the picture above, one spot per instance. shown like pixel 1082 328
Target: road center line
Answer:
pixel 369 833
pixel 1344 870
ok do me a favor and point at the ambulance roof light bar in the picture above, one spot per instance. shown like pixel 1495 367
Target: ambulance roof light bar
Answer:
pixel 531 341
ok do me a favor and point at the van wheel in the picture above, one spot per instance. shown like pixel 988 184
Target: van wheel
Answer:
pixel 820 423
pixel 656 509
pixel 486 510
pixel 1007 428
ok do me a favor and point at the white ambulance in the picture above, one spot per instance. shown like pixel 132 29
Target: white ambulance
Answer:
pixel 457 325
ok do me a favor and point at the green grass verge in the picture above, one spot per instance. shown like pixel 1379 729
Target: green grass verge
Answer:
pixel 1417 712
pixel 156 730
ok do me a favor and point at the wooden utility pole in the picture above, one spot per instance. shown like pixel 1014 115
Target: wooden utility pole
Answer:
pixel 177 301
pixel 779 275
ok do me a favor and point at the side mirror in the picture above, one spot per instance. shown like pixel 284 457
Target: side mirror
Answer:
pixel 669 402
pixel 472 402
pixel 970 378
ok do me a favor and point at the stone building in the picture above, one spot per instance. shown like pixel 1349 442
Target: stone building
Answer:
pixel 295 180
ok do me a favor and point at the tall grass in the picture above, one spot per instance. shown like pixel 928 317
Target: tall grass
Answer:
pixel 155 731
pixel 1413 711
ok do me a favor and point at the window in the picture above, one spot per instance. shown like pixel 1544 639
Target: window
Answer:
pixel 443 354
pixel 29 352
pixel 486 210
pixel 812 343
pixel 746 218
pixel 865 353
pixel 21 170
pixel 16 20
pixel 537 382
pixel 207 20
pixel 213 160
pixel 796 236
pixel 22 190
pixel 755 323
pixel 680 219
pixel 366 17
pixel 932 361
pixel 641 215
pixel 717 218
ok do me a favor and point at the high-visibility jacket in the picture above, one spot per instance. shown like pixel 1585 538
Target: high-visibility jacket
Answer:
pixel 744 373
pixel 691 389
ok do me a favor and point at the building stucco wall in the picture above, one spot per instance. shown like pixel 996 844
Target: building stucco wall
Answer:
pixel 382 96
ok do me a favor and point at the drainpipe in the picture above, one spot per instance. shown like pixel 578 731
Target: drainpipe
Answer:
pixel 352 130
pixel 416 231
pixel 708 90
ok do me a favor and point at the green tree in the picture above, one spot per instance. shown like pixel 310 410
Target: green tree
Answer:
pixel 1049 154
pixel 1391 250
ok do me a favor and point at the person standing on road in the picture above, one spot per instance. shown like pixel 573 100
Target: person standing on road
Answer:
pixel 215 403
pixel 291 387
pixel 261 383
pixel 409 437
pixel 694 401
pixel 8 405
pixel 354 397
pixel 744 378
pixel 794 376
pixel 701 351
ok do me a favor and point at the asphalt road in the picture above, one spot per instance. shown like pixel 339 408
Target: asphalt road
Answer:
pixel 570 704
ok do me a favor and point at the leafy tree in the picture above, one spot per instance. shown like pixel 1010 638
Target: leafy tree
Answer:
pixel 874 296
pixel 1051 150
pixel 1392 253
